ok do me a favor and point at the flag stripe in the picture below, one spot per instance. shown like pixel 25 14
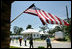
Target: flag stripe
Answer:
pixel 32 11
pixel 43 21
pixel 53 22
pixel 44 16
pixel 41 16
pixel 65 23
pixel 62 21
pixel 53 18
pixel 49 18
pixel 59 20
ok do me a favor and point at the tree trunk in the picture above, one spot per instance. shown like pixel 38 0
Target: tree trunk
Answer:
pixel 5 23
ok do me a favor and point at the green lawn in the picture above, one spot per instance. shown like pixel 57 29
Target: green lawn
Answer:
pixel 14 47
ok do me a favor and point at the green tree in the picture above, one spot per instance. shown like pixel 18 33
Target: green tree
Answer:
pixel 10 32
pixel 29 27
pixel 57 28
pixel 51 31
pixel 17 30
pixel 20 30
pixel 43 28
pixel 67 29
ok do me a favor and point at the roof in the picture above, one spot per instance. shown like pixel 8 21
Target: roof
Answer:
pixel 43 33
pixel 29 31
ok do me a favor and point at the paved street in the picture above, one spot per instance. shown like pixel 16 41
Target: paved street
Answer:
pixel 55 44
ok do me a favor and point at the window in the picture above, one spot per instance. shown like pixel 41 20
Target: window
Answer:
pixel 37 35
pixel 34 35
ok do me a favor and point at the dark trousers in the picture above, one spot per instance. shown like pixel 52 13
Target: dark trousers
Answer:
pixel 25 42
pixel 49 45
pixel 20 43
pixel 31 45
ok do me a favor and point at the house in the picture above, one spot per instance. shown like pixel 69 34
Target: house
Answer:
pixel 35 33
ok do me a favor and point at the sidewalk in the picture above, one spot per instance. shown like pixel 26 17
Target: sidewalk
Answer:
pixel 55 44
pixel 16 44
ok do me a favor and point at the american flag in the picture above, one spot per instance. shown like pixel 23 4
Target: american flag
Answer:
pixel 44 16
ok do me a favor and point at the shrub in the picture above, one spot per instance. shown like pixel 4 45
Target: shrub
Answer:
pixel 41 47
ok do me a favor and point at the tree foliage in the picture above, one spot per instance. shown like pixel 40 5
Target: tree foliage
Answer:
pixel 17 30
pixel 67 29
pixel 43 28
pixel 29 27
pixel 10 32
pixel 52 31
pixel 57 28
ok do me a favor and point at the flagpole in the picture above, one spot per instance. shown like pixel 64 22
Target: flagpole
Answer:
pixel 17 17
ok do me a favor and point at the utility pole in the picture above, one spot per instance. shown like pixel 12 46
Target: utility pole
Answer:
pixel 67 13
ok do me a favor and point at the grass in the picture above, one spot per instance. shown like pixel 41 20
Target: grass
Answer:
pixel 41 47
pixel 67 38
pixel 14 47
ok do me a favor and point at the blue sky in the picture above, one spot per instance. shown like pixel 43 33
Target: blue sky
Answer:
pixel 57 8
